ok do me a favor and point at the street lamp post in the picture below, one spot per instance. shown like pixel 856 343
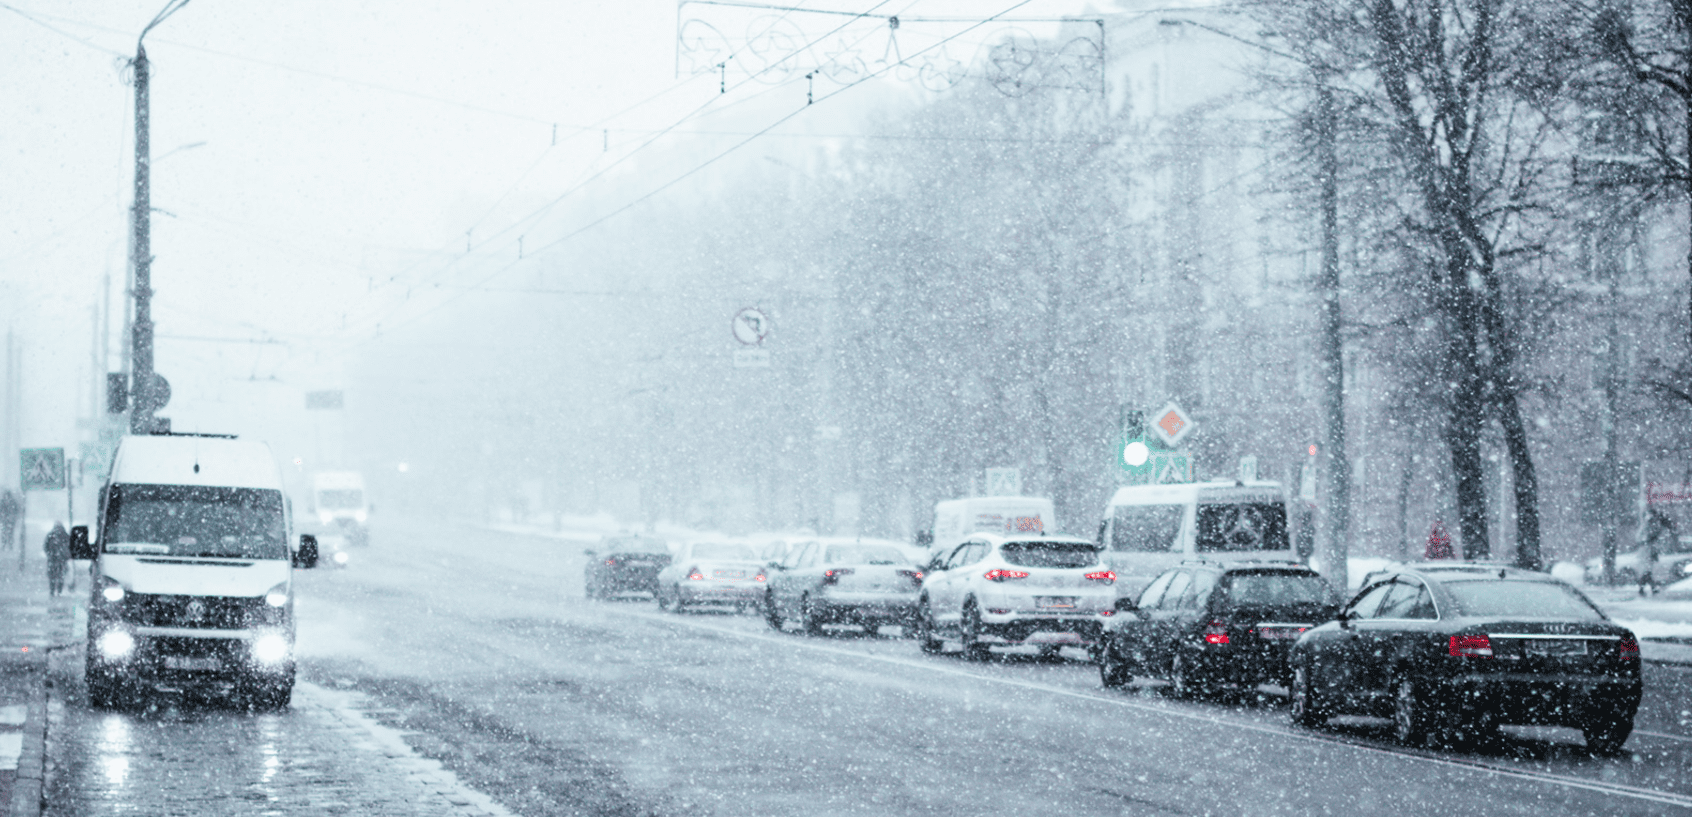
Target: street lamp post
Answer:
pixel 148 391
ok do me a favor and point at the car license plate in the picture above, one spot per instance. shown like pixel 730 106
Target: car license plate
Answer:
pixel 728 574
pixel 1279 633
pixel 1055 602
pixel 1554 647
pixel 184 662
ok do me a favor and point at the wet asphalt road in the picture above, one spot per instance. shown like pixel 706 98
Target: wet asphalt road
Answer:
pixel 453 670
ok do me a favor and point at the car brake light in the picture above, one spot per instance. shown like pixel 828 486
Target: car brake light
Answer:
pixel 833 574
pixel 1629 648
pixel 1216 633
pixel 999 574
pixel 759 578
pixel 1471 646
pixel 1106 576
pixel 610 562
pixel 914 575
pixel 693 575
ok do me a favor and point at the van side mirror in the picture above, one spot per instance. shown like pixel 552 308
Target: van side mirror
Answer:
pixel 1126 604
pixel 306 557
pixel 80 547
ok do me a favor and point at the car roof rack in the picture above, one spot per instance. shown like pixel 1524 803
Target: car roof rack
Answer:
pixel 190 434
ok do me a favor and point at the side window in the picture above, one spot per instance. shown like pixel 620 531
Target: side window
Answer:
pixel 959 555
pixel 1366 604
pixel 976 552
pixel 1401 600
pixel 1154 591
pixel 1424 606
pixel 808 556
pixel 1177 588
pixel 1198 593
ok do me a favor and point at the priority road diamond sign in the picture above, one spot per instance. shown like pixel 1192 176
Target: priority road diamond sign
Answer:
pixel 1171 424
pixel 42 469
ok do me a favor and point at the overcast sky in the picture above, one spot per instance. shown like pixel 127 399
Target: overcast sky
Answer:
pixel 315 162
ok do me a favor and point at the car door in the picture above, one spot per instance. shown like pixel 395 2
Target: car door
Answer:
pixel 1338 661
pixel 1133 627
pixel 1160 620
pixel 1390 640
pixel 791 581
pixel 939 582
pixel 957 581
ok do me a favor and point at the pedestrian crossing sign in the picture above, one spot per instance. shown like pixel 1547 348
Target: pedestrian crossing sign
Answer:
pixel 42 469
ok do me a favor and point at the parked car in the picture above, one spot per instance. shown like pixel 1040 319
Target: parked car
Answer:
pixel 1634 565
pixel 1208 626
pixel 865 585
pixel 712 573
pixel 624 564
pixel 1469 649
pixel 1047 591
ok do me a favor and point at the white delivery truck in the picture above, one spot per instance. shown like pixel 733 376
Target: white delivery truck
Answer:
pixel 339 499
pixel 957 519
pixel 192 572
pixel 1148 529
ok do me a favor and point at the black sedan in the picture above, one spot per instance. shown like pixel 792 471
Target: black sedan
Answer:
pixel 625 564
pixel 1454 651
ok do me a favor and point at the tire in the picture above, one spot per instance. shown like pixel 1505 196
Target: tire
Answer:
pixel 973 647
pixel 1113 671
pixel 102 688
pixel 809 621
pixel 1605 734
pixel 926 639
pixel 1410 713
pixel 1182 681
pixel 772 614
pixel 270 696
pixel 1306 708
pixel 664 601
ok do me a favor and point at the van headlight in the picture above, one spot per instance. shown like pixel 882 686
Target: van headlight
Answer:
pixel 277 596
pixel 270 648
pixel 340 557
pixel 116 645
pixel 109 590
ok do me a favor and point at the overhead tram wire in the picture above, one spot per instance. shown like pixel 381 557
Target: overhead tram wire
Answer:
pixel 678 179
pixel 61 32
pixel 712 102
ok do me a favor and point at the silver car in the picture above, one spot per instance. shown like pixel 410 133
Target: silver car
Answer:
pixel 712 573
pixel 861 584
pixel 1044 591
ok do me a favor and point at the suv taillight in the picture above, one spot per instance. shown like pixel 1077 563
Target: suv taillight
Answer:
pixel 999 574
pixel 1471 646
pixel 1106 576
pixel 1629 648
pixel 1216 632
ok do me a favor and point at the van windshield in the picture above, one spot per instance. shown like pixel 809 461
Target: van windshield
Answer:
pixel 1242 526
pixel 180 520
pixel 340 499
pixel 1145 527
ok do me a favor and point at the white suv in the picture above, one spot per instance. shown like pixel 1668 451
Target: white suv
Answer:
pixel 1048 591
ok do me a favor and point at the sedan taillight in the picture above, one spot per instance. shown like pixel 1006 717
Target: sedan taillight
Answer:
pixel 1216 632
pixel 1629 648
pixel 833 574
pixel 693 575
pixel 914 575
pixel 1471 646
pixel 999 574
pixel 610 562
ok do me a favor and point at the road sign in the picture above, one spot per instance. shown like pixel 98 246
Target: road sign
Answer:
pixel 42 469
pixel 1171 424
pixel 1004 482
pixel 751 326
pixel 1161 468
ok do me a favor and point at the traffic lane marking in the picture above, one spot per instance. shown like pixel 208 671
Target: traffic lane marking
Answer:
pixel 1566 781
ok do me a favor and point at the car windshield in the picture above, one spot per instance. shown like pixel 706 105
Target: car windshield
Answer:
pixel 1485 598
pixel 1278 589
pixel 724 551
pixel 1242 526
pixel 339 499
pixel 173 520
pixel 1050 554
pixel 863 555
pixel 1145 527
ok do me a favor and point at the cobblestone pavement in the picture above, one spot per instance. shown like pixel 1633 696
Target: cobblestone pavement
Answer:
pixel 325 754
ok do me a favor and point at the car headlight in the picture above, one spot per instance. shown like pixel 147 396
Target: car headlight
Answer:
pixel 116 644
pixel 270 648
pixel 277 596
pixel 340 557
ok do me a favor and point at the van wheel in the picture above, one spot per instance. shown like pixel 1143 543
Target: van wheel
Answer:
pixel 102 689
pixel 269 696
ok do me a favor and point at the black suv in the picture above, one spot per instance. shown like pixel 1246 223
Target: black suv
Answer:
pixel 625 564
pixel 1206 626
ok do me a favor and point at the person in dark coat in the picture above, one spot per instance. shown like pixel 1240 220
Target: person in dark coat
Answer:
pixel 57 548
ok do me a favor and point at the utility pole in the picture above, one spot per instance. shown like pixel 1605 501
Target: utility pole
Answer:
pixel 1332 353
pixel 148 392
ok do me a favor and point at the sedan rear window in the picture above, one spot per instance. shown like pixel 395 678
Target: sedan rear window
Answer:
pixel 1532 599
pixel 724 551
pixel 637 546
pixel 863 555
pixel 1050 554
pixel 1278 589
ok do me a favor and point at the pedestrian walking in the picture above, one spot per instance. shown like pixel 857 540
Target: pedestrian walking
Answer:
pixel 57 548
pixel 1439 543
pixel 10 510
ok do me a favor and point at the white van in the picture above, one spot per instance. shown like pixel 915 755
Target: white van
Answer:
pixel 338 499
pixel 1148 529
pixel 957 519
pixel 192 572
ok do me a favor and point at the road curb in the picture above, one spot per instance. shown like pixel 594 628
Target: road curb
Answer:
pixel 27 790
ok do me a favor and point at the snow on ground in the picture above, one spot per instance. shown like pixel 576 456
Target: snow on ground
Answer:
pixel 1650 628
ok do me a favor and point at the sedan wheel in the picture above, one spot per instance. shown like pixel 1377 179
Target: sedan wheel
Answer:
pixel 1113 671
pixel 1409 714
pixel 772 614
pixel 927 640
pixel 1306 708
pixel 809 621
pixel 663 599
pixel 1605 734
